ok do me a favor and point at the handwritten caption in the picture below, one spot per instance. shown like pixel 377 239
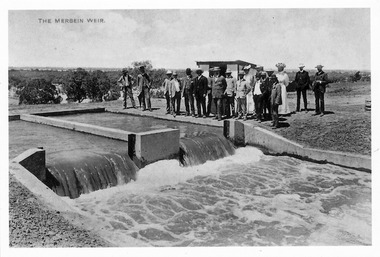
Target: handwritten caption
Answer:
pixel 87 20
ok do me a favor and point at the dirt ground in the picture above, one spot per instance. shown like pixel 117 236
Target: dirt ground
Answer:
pixel 346 127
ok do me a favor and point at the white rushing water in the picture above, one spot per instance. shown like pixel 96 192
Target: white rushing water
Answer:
pixel 246 199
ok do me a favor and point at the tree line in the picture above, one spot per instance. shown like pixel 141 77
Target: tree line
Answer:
pixel 46 86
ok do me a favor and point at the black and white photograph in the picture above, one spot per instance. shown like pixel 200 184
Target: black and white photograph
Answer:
pixel 200 128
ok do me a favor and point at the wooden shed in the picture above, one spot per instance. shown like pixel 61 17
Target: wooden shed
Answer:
pixel 234 66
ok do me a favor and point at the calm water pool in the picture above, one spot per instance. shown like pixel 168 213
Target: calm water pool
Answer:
pixel 138 124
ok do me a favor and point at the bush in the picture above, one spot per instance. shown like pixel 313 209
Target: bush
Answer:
pixel 76 86
pixel 39 91
pixel 97 86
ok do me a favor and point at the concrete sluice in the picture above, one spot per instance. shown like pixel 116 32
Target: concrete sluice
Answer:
pixel 195 150
pixel 72 173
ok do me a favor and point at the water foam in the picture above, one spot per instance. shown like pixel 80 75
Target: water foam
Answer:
pixel 167 173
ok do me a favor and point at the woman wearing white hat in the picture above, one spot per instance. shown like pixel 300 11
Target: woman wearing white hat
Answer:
pixel 283 79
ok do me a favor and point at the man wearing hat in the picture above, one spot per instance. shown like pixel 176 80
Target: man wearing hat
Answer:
pixel 199 92
pixel 187 92
pixel 258 94
pixel 175 94
pixel 166 85
pixel 209 90
pixel 242 89
pixel 230 94
pixel 126 82
pixel 302 81
pixel 144 85
pixel 276 100
pixel 218 88
pixel 319 87
pixel 267 111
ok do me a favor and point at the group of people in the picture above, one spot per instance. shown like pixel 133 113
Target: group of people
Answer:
pixel 269 92
pixel 144 84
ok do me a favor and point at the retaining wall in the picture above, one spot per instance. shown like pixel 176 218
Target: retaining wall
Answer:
pixel 271 143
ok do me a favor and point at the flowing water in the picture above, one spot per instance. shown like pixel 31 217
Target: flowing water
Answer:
pixel 247 199
pixel 79 172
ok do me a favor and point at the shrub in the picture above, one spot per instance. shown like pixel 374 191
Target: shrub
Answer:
pixel 97 86
pixel 76 86
pixel 39 91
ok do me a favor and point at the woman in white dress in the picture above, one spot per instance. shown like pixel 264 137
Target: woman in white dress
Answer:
pixel 283 79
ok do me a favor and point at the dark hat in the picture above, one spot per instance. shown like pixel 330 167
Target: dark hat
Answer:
pixel 142 67
pixel 199 70
pixel 228 71
pixel 125 70
pixel 319 66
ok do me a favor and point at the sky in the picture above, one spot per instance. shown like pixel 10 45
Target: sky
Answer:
pixel 176 38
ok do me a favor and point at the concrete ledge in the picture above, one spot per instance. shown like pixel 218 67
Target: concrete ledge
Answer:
pixel 13 117
pixel 38 188
pixel 77 126
pixel 151 146
pixel 68 112
pixel 34 161
pixel 272 143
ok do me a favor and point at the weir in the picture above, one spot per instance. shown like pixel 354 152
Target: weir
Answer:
pixel 247 199
pixel 204 147
pixel 76 172
pixel 80 172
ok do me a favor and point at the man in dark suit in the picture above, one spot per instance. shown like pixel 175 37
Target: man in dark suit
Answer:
pixel 144 85
pixel 209 89
pixel 187 92
pixel 319 87
pixel 199 92
pixel 218 88
pixel 302 81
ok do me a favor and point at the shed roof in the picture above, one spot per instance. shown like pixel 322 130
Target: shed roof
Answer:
pixel 216 63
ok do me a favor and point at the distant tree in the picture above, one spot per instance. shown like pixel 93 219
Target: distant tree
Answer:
pixel 97 86
pixel 76 85
pixel 356 77
pixel 39 91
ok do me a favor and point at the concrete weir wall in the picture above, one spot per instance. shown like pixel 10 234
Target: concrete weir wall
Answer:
pixel 243 133
pixel 77 126
pixel 151 146
pixel 34 161
pixel 143 147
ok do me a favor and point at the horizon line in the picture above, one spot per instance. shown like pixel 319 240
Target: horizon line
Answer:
pixel 119 68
